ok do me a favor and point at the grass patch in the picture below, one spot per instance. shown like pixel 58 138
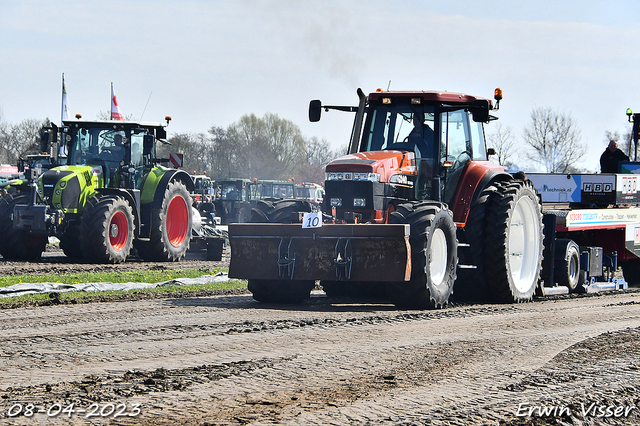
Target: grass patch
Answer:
pixel 149 276
pixel 74 297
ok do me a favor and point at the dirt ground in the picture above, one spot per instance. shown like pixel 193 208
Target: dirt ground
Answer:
pixel 228 360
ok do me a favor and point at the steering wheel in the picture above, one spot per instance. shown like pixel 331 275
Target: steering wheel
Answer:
pixel 458 161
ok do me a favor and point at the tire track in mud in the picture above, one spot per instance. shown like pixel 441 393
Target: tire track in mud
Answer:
pixel 318 363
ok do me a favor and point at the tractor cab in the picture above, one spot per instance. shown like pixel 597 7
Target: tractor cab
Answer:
pixel 120 150
pixel 405 146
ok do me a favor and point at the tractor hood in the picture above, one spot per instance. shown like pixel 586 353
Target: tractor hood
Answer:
pixel 62 187
pixel 372 165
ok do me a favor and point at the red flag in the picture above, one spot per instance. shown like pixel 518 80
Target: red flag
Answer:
pixel 115 108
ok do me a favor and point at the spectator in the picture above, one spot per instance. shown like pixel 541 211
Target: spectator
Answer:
pixel 611 157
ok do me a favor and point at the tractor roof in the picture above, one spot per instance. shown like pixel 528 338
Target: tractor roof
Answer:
pixel 427 96
pixel 112 123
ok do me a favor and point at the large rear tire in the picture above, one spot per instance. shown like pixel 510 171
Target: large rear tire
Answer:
pixel 280 291
pixel 16 244
pixel 106 229
pixel 170 227
pixel 433 256
pixel 513 250
pixel 471 285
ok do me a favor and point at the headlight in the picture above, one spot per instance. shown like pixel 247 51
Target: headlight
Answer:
pixel 371 177
pixel 336 202
pixel 401 180
pixel 359 202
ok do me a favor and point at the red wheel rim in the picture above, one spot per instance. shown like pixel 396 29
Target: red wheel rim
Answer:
pixel 177 221
pixel 118 231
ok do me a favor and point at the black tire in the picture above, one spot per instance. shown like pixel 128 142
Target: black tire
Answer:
pixel 513 250
pixel 170 227
pixel 278 211
pixel 566 268
pixel 16 244
pixel 433 256
pixel 106 229
pixel 471 285
pixel 631 272
pixel 280 291
pixel 70 242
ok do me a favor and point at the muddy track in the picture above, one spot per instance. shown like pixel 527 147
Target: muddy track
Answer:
pixel 228 360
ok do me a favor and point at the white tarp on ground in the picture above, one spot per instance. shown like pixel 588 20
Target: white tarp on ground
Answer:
pixel 34 288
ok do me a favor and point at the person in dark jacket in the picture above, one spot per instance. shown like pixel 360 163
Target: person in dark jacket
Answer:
pixel 611 157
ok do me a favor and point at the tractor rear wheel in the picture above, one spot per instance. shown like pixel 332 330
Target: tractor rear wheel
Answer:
pixel 513 245
pixel 170 227
pixel 280 291
pixel 106 229
pixel 433 256
pixel 16 244
pixel 471 285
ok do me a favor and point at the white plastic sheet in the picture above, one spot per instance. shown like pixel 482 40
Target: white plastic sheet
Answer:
pixel 35 288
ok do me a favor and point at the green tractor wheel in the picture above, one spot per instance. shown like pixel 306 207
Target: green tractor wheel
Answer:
pixel 170 227
pixel 106 232
pixel 16 244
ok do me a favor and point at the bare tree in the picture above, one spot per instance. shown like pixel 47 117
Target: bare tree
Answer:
pixel 19 140
pixel 554 139
pixel 504 143
pixel 318 154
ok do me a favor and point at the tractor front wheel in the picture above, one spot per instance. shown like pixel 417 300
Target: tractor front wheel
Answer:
pixel 106 230
pixel 434 256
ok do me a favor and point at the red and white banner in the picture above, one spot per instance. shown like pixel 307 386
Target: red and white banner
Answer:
pixel 7 169
pixel 115 108
pixel 176 160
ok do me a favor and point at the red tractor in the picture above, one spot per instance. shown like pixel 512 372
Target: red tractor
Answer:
pixel 413 213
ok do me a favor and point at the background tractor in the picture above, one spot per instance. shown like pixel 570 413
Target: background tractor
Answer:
pixel 111 194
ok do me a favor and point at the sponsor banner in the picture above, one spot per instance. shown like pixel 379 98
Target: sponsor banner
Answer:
pixel 627 189
pixel 7 169
pixel 602 218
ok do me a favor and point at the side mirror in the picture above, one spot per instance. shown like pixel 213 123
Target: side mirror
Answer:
pixel 491 151
pixel 315 110
pixel 161 133
pixel 147 145
pixel 480 110
pixel 44 141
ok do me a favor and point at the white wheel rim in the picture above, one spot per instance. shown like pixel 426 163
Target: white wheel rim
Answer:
pixel 438 257
pixel 524 244
pixel 573 268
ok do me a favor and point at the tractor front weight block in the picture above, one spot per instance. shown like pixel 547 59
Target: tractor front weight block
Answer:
pixel 337 252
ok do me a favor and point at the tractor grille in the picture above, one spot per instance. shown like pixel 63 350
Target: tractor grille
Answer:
pixel 71 194
pixel 347 191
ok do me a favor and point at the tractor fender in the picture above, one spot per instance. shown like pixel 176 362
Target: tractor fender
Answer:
pixel 133 198
pixel 170 176
pixel 476 177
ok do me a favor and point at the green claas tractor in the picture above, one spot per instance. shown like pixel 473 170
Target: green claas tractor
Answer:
pixel 112 194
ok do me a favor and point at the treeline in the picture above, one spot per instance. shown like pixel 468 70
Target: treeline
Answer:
pixel 19 140
pixel 265 148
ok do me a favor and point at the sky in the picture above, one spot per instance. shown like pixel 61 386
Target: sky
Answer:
pixel 209 62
